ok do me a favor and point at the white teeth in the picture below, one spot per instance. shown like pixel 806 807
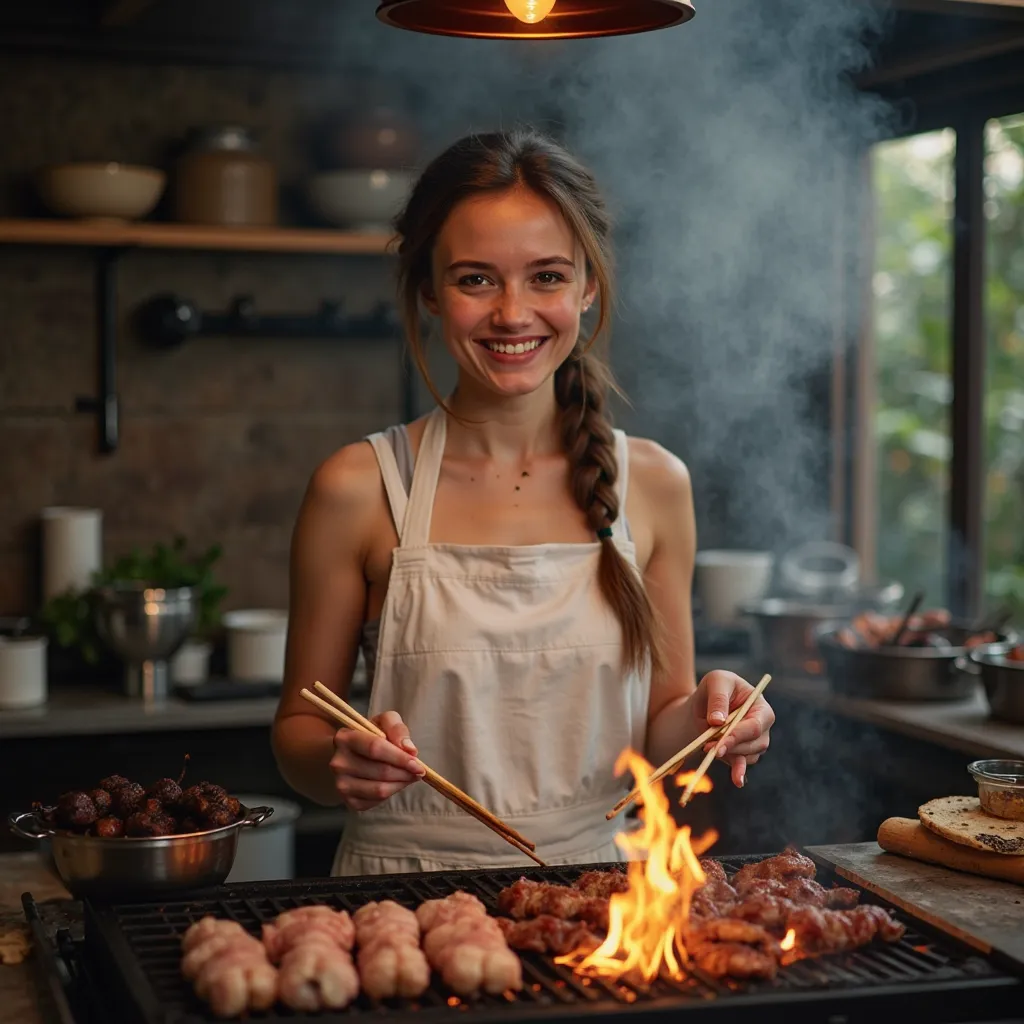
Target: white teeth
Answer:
pixel 517 349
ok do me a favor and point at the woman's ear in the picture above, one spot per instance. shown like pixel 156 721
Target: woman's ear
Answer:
pixel 429 298
pixel 589 294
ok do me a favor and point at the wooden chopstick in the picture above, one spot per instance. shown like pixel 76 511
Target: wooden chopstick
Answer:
pixel 676 760
pixel 355 721
pixel 710 756
pixel 432 777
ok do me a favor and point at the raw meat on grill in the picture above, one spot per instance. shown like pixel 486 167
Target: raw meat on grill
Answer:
pixel 783 866
pixel 602 884
pixel 531 899
pixel 390 960
pixel 228 967
pixel 804 892
pixel 313 945
pixel 836 931
pixel 466 947
pixel 548 934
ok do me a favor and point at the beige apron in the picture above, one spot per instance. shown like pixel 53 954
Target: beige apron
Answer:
pixel 505 664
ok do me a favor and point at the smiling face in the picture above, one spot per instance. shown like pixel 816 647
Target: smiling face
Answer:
pixel 509 285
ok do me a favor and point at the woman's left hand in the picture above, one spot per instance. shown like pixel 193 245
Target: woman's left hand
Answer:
pixel 720 693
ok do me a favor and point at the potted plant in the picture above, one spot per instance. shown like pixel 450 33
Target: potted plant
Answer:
pixel 69 619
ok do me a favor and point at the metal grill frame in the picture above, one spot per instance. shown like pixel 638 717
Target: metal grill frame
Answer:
pixel 927 975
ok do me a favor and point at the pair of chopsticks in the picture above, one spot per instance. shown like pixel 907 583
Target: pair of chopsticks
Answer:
pixel 717 733
pixel 344 714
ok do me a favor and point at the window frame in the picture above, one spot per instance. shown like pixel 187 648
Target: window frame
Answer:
pixel 855 489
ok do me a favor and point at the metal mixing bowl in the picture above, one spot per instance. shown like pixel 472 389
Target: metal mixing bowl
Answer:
pixel 145 625
pixel 1003 679
pixel 129 868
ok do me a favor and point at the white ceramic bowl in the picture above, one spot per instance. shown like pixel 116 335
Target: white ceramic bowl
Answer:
pixel 256 644
pixel 108 191
pixel 360 199
pixel 726 580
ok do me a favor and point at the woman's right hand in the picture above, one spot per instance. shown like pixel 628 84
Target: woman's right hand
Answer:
pixel 370 769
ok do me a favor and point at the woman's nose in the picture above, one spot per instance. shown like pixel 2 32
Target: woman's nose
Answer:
pixel 511 310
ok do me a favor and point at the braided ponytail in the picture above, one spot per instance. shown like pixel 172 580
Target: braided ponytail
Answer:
pixel 581 389
pixel 492 164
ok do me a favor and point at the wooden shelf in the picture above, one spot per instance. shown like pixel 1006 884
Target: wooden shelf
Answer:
pixel 153 235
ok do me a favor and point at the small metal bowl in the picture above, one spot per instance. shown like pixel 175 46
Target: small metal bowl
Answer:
pixel 1003 679
pixel 128 867
pixel 1000 787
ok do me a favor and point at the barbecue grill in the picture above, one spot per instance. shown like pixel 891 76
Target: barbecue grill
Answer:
pixel 131 953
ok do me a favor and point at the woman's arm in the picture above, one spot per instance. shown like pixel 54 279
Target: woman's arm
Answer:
pixel 678 712
pixel 326 611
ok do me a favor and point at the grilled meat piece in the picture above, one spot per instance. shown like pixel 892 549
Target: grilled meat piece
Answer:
pixel 127 799
pixel 112 782
pixel 783 866
pixel 804 892
pixel 109 827
pixel 75 810
pixel 526 898
pixel 713 869
pixel 101 801
pixel 144 825
pixel 602 884
pixel 835 931
pixel 713 899
pixel 548 934
pixel 723 948
pixel 167 791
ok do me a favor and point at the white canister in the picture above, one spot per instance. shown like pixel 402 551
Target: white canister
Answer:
pixel 190 664
pixel 256 644
pixel 267 851
pixel 22 672
pixel 725 580
pixel 72 548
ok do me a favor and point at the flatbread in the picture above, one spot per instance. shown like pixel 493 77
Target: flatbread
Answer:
pixel 961 819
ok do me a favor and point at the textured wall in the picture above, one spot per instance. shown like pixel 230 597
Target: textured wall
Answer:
pixel 220 436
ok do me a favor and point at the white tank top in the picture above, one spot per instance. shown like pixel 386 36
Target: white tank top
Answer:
pixel 505 662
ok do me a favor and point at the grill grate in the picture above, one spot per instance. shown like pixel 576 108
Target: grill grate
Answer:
pixel 137 948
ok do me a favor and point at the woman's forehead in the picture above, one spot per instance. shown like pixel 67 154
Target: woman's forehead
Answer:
pixel 518 224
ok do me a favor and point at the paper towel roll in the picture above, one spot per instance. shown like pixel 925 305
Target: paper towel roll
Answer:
pixel 72 548
pixel 22 671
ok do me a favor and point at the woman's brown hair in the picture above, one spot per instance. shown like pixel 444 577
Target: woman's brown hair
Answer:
pixel 494 163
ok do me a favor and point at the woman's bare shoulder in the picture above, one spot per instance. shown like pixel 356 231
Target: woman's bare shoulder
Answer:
pixel 657 473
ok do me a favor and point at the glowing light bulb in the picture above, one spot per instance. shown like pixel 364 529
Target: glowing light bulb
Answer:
pixel 530 11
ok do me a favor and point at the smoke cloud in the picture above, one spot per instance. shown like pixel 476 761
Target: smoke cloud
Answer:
pixel 724 147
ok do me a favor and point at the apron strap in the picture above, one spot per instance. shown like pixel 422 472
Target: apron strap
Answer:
pixel 397 498
pixel 424 482
pixel 619 528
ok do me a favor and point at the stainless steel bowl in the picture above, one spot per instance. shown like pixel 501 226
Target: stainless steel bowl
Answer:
pixel 1003 680
pixel 145 625
pixel 129 868
pixel 901 673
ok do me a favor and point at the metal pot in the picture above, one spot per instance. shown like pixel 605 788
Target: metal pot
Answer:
pixel 1002 678
pixel 127 867
pixel 787 628
pixel 901 673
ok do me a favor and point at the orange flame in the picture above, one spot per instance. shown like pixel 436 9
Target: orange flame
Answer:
pixel 647 924
pixel 789 941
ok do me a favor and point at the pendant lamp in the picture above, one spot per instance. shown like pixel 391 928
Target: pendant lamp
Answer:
pixel 534 19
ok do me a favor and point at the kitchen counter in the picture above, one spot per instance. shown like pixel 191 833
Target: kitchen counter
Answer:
pixel 963 726
pixel 22 872
pixel 983 912
pixel 88 711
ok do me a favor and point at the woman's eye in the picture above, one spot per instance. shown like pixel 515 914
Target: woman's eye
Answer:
pixel 549 277
pixel 472 280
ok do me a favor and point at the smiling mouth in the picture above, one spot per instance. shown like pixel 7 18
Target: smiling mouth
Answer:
pixel 516 347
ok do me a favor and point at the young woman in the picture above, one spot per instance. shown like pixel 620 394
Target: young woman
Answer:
pixel 517 572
